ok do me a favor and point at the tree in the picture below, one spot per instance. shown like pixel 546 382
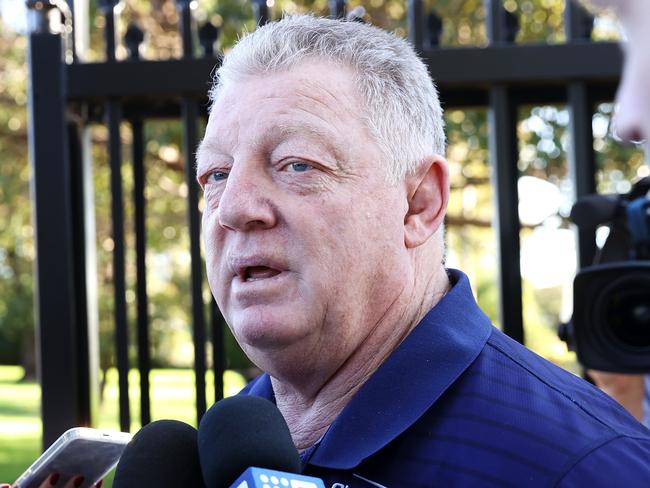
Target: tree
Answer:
pixel 16 239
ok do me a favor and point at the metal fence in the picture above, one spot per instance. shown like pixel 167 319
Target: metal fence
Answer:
pixel 67 95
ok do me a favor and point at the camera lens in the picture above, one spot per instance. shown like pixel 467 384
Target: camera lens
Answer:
pixel 627 311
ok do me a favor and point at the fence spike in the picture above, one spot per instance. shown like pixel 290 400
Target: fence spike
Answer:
pixel 39 10
pixel 579 23
pixel 184 10
pixel 415 20
pixel 502 26
pixel 261 12
pixel 338 8
pixel 434 29
pixel 107 8
pixel 208 35
pixel 511 26
pixel 107 5
pixel 133 38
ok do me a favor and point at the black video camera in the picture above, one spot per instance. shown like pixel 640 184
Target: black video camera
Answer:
pixel 610 327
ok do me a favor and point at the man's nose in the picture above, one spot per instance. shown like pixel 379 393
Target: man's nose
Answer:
pixel 246 202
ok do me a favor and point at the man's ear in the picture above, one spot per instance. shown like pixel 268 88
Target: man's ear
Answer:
pixel 428 194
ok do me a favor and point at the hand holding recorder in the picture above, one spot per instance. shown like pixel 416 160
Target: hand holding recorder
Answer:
pixel 80 458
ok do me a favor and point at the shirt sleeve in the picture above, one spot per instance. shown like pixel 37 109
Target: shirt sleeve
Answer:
pixel 623 461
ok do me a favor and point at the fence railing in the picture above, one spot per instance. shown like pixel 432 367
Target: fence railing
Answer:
pixel 65 97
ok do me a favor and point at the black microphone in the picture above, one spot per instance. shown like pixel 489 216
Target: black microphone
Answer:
pixel 592 210
pixel 162 454
pixel 243 431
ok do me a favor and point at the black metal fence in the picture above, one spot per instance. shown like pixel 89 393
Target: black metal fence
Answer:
pixel 67 96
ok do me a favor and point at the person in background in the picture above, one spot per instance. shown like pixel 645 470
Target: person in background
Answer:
pixel 631 124
pixel 627 389
pixel 632 118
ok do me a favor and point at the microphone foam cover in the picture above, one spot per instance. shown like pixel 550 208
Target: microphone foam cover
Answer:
pixel 591 211
pixel 240 432
pixel 162 454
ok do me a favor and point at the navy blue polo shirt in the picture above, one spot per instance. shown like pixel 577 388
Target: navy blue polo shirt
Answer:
pixel 459 403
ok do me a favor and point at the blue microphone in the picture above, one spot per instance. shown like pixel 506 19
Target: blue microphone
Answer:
pixel 244 442
pixel 269 478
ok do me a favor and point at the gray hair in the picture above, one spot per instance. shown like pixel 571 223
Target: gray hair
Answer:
pixel 403 113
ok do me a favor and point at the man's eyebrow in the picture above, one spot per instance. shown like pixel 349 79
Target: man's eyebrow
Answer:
pixel 327 138
pixel 293 129
pixel 206 147
pixel 324 136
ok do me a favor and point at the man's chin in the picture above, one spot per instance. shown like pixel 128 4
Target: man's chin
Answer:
pixel 268 335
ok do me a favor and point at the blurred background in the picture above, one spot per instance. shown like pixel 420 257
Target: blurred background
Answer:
pixel 548 242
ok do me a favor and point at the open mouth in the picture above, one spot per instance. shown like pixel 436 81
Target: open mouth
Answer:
pixel 256 273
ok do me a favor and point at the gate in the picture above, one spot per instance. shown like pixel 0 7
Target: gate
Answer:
pixel 66 95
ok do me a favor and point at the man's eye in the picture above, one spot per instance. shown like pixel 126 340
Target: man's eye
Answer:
pixel 217 176
pixel 299 167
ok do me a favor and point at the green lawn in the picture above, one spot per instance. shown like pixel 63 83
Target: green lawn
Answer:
pixel 172 397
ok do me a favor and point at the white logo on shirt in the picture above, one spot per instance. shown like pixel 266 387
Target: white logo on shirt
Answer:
pixel 373 483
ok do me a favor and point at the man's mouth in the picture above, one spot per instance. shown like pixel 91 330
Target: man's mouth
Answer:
pixel 255 273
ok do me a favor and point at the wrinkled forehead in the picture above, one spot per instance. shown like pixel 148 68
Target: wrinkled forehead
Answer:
pixel 299 68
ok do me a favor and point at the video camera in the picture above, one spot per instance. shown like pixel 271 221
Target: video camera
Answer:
pixel 610 327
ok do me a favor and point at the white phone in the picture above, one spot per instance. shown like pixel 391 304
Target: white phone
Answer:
pixel 90 453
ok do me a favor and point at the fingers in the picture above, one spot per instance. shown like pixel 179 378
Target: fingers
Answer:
pixel 50 481
pixel 53 479
pixel 75 482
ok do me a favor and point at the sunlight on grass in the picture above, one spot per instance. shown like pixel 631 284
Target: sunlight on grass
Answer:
pixel 20 423
pixel 172 397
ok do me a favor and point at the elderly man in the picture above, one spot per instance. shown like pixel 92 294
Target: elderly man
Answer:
pixel 325 192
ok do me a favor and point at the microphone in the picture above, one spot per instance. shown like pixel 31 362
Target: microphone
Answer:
pixel 244 431
pixel 593 210
pixel 162 454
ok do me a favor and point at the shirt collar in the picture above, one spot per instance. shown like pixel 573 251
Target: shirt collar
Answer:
pixel 407 384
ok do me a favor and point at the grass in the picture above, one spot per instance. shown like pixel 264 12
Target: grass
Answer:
pixel 20 424
pixel 172 397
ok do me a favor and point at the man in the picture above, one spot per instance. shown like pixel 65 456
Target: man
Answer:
pixel 632 124
pixel 325 192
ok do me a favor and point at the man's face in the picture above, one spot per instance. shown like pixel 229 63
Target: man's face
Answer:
pixel 633 98
pixel 304 236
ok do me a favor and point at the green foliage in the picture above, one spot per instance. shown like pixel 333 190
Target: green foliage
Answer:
pixel 16 238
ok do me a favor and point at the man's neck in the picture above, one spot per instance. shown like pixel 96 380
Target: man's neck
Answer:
pixel 310 415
